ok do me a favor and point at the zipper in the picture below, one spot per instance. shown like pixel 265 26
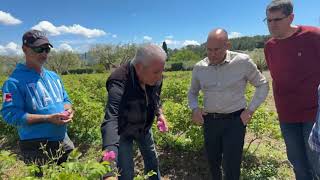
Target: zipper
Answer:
pixel 147 103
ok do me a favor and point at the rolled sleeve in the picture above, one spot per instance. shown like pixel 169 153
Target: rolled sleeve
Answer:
pixel 260 83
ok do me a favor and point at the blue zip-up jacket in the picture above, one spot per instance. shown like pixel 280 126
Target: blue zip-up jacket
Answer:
pixel 27 91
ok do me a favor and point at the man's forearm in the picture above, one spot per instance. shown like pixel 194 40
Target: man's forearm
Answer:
pixel 192 100
pixel 259 96
pixel 109 132
pixel 37 118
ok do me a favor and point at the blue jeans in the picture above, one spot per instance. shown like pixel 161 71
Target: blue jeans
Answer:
pixel 148 152
pixel 305 162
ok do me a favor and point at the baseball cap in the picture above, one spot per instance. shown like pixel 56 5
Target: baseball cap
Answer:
pixel 35 38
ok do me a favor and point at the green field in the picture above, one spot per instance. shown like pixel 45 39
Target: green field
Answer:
pixel 181 152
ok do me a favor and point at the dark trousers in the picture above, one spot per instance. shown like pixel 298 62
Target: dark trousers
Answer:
pixel 32 153
pixel 224 139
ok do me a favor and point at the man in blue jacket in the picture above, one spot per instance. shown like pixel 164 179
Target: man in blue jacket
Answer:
pixel 36 103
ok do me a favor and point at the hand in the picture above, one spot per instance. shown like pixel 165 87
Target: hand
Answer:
pixel 197 114
pixel 162 123
pixel 58 118
pixel 71 113
pixel 246 116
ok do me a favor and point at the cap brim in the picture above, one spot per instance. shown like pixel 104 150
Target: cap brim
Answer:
pixel 40 42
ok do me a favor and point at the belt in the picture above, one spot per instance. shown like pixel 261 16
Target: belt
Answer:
pixel 224 115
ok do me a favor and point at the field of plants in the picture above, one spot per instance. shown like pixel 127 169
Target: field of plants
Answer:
pixel 181 151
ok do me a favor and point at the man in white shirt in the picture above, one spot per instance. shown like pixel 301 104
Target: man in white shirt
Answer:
pixel 222 77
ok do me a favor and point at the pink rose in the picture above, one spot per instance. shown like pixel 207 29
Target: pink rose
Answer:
pixel 162 126
pixel 66 114
pixel 109 156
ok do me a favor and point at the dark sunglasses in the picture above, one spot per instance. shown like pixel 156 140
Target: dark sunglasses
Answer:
pixel 275 19
pixel 41 49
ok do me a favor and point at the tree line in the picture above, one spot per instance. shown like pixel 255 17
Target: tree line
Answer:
pixel 103 57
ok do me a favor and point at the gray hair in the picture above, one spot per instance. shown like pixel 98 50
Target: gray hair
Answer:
pixel 285 6
pixel 147 53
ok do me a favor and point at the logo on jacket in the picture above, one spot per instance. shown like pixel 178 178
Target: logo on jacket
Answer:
pixel 7 97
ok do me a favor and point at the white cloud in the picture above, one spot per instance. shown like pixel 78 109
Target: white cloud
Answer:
pixel 78 41
pixel 147 38
pixel 169 37
pixel 8 19
pixel 234 35
pixel 65 47
pixel 114 36
pixel 179 44
pixel 190 42
pixel 47 27
pixel 77 29
pixel 11 49
pixel 172 42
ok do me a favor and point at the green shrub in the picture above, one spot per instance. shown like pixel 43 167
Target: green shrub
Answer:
pixel 80 71
pixel 177 66
pixel 88 94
